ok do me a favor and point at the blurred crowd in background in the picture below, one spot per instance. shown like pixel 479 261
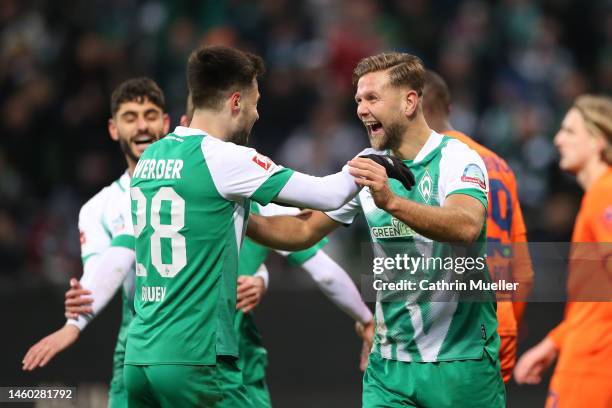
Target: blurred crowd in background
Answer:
pixel 513 67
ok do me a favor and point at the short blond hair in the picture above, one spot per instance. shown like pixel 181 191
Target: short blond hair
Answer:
pixel 596 111
pixel 404 69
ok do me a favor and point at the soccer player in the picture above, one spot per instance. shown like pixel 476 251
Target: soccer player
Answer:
pixel 426 353
pixel 508 255
pixel 583 340
pixel 191 194
pixel 330 278
pixel 138 119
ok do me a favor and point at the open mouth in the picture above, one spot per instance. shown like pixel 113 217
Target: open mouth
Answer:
pixel 142 141
pixel 374 127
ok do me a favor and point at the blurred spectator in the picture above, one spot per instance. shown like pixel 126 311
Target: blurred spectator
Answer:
pixel 324 144
pixel 513 67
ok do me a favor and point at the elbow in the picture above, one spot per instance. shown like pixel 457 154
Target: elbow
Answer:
pixel 335 201
pixel 470 233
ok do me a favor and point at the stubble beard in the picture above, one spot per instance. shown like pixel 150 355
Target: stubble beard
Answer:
pixel 392 139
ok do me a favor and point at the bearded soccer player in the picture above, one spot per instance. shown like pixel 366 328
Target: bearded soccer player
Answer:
pixel 508 255
pixel 191 194
pixel 426 353
pixel 583 340
pixel 138 119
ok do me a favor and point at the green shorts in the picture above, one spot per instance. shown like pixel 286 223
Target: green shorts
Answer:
pixel 170 385
pixel 452 384
pixel 258 394
pixel 117 394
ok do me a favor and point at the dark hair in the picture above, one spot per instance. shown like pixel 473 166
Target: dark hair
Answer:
pixel 437 96
pixel 213 71
pixel 404 69
pixel 137 90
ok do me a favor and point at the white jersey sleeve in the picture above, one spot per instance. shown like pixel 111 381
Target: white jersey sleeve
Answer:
pixel 107 235
pixel 93 234
pixel 347 213
pixel 335 283
pixel 462 171
pixel 111 269
pixel 240 172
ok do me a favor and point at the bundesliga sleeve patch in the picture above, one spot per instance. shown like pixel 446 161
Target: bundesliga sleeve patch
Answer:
pixel 82 237
pixel 474 174
pixel 263 162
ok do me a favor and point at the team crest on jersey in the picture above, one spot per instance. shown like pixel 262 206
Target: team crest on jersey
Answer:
pixel 395 230
pixel 426 187
pixel 474 174
pixel 262 161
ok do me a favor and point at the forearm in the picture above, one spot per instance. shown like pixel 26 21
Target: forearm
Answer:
pixel 286 232
pixel 104 279
pixel 319 193
pixel 443 224
pixel 337 286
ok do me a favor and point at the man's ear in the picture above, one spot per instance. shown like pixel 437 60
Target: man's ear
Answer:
pixel 166 120
pixel 411 102
pixel 112 129
pixel 184 121
pixel 235 102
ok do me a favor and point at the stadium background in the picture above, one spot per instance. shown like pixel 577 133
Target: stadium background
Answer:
pixel 513 66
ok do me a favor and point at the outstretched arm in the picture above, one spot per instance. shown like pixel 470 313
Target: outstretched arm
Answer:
pixel 336 284
pixel 103 280
pixel 104 276
pixel 290 233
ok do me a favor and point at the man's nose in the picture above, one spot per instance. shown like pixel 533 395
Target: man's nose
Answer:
pixel 142 124
pixel 362 110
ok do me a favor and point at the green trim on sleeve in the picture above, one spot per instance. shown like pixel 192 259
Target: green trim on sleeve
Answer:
pixel 124 241
pixel 299 257
pixel 85 258
pixel 472 192
pixel 272 186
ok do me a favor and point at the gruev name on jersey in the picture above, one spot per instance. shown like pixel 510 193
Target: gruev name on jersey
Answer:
pixel 428 326
pixel 188 233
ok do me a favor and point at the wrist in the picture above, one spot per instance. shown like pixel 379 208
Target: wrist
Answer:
pixel 261 284
pixel 392 205
pixel 72 330
pixel 549 345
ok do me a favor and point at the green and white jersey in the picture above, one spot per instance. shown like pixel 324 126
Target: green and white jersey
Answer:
pixel 428 326
pixel 105 221
pixel 190 202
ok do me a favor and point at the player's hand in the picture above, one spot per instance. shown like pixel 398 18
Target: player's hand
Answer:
pixel 42 352
pixel 366 332
pixel 367 173
pixel 250 291
pixel 534 362
pixel 77 301
pixel 395 168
